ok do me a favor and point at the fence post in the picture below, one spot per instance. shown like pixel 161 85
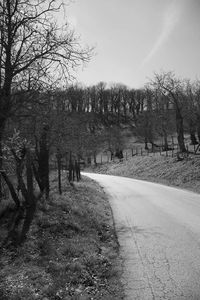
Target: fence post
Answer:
pixel 141 152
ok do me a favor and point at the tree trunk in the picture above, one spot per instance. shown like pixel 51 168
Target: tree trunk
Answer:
pixel 11 188
pixel 180 131
pixel 30 199
pixel 165 146
pixel 198 126
pixel 193 138
pixel 146 143
pixel 1 167
pixel 2 127
pixel 70 177
pixel 43 161
pixel 59 173
pixel 27 221
pixel 95 157
pixel 29 178
pixel 193 133
pixel 37 177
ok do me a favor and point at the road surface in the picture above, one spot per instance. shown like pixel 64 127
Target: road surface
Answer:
pixel 158 228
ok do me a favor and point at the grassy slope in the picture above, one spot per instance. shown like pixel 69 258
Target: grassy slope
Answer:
pixel 166 170
pixel 71 251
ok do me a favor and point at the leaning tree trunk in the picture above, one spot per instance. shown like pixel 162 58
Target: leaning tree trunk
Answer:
pixel 11 188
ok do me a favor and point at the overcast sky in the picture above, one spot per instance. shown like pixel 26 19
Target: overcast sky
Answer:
pixel 135 38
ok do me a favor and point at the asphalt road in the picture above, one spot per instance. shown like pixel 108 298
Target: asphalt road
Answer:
pixel 158 228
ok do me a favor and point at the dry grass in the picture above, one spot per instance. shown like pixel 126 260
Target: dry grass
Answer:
pixel 71 251
pixel 166 170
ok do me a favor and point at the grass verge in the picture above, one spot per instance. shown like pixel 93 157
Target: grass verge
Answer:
pixel 71 251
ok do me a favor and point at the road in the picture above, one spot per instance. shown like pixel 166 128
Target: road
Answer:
pixel 158 228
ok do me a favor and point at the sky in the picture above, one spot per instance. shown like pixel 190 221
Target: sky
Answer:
pixel 135 38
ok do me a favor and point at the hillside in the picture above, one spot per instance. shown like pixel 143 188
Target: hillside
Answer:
pixel 166 170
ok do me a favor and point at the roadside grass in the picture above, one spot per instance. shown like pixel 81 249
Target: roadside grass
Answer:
pixel 161 169
pixel 71 251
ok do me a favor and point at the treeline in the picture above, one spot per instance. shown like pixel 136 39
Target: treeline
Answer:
pixel 166 105
pixel 83 119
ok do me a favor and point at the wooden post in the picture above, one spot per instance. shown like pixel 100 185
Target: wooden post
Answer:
pixel 141 152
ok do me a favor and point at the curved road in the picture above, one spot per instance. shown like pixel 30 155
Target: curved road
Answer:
pixel 158 228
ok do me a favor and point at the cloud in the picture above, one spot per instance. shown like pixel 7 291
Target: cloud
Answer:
pixel 170 19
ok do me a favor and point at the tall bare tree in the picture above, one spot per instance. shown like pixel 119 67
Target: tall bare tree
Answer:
pixel 172 88
pixel 33 48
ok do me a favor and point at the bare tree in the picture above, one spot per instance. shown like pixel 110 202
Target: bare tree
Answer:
pixel 172 88
pixel 197 105
pixel 33 48
pixel 191 110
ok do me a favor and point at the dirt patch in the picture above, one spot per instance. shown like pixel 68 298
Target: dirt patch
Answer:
pixel 71 251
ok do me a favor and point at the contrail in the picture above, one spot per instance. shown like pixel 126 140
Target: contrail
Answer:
pixel 170 19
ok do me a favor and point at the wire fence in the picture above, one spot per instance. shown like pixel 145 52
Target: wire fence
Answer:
pixel 106 157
